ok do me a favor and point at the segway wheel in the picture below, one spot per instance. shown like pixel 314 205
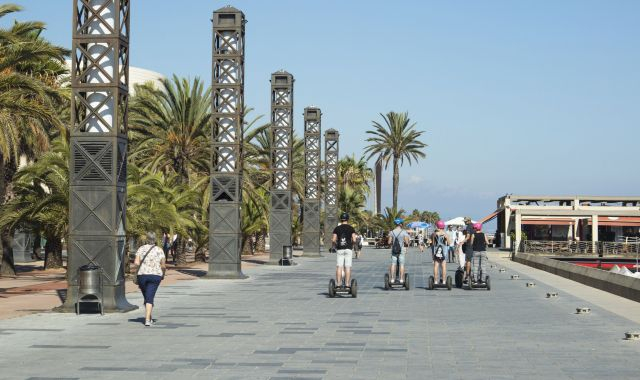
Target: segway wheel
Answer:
pixel 386 281
pixel 407 285
pixel 354 288
pixel 332 288
pixel 488 280
pixel 449 282
pixel 470 279
pixel 431 283
pixel 459 277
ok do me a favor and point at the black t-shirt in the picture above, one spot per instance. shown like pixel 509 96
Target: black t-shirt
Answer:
pixel 344 232
pixel 479 243
pixel 468 232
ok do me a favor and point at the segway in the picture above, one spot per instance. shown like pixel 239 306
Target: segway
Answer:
pixel 396 283
pixel 459 276
pixel 343 290
pixel 477 283
pixel 432 285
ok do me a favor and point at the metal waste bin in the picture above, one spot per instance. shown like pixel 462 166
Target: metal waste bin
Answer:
pixel 89 286
pixel 287 255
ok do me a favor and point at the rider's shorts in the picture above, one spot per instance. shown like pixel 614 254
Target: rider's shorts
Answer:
pixel 398 259
pixel 468 256
pixel 344 257
pixel 445 258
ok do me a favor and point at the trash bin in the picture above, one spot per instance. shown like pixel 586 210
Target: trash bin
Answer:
pixel 287 255
pixel 89 286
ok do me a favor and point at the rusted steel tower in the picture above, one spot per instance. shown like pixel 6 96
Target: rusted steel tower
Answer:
pixel 98 164
pixel 311 205
pixel 331 145
pixel 281 163
pixel 225 234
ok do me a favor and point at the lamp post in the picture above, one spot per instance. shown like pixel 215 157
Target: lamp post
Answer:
pixel 311 205
pixel 281 133
pixel 225 233
pixel 98 163
pixel 331 141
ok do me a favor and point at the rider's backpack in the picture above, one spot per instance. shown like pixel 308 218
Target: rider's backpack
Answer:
pixel 440 247
pixel 396 248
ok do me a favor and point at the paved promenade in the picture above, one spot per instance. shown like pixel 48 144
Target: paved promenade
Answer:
pixel 279 324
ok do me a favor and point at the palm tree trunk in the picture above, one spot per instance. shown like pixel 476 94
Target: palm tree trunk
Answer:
pixel 201 255
pixel 53 253
pixel 181 254
pixel 396 181
pixel 261 241
pixel 35 254
pixel 7 266
pixel 246 245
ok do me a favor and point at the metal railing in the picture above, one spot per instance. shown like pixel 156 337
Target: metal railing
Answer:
pixel 582 248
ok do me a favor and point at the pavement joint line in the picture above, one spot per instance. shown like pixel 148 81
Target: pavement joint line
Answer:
pixel 392 334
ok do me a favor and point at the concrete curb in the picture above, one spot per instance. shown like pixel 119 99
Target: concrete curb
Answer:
pixel 624 286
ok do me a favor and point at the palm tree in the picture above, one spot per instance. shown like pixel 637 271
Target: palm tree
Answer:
pixel 385 222
pixel 353 203
pixel 159 202
pixel 396 141
pixel 355 175
pixel 430 216
pixel 30 69
pixel 170 128
pixel 41 198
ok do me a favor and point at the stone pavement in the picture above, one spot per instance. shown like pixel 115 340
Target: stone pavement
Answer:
pixel 279 324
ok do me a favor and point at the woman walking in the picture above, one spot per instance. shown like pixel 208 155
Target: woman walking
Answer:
pixel 150 261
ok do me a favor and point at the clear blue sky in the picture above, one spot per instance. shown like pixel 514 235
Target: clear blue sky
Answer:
pixel 529 97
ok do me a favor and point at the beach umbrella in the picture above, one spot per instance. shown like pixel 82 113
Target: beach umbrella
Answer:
pixel 418 225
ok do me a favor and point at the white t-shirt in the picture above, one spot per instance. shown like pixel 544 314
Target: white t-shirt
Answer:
pixel 153 262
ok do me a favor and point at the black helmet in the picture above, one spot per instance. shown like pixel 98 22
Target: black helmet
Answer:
pixel 344 216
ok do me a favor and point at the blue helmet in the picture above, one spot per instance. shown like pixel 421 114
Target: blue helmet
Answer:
pixel 398 221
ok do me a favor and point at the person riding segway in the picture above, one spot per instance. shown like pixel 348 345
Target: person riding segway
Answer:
pixel 343 239
pixel 440 251
pixel 398 240
pixel 479 242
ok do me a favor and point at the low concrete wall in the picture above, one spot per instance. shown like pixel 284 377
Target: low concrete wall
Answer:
pixel 624 286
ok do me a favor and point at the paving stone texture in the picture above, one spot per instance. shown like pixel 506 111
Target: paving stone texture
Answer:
pixel 280 324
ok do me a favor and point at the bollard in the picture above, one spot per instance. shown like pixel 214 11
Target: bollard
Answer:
pixel 632 335
pixel 515 276
pixel 583 310
pixel 552 295
pixel 531 284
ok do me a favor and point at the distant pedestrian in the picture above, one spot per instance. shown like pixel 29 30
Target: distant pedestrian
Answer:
pixel 460 257
pixel 451 235
pixel 150 261
pixel 166 244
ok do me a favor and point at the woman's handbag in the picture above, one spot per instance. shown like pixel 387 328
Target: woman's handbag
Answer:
pixel 135 278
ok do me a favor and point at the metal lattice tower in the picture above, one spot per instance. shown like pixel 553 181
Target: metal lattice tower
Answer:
pixel 225 232
pixel 98 171
pixel 281 156
pixel 311 206
pixel 331 144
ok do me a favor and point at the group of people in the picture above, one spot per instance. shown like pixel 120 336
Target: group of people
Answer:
pixel 465 245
